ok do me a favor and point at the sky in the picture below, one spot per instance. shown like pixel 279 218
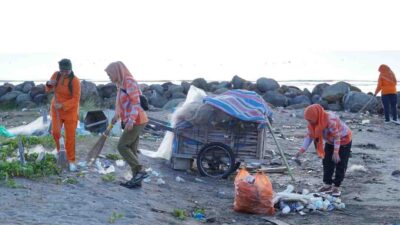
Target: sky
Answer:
pixel 214 39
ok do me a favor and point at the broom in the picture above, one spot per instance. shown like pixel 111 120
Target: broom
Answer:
pixel 62 161
pixel 95 151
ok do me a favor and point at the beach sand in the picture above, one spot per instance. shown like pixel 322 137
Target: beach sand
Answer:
pixel 371 196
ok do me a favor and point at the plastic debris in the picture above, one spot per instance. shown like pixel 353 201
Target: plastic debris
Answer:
pixel 120 163
pixel 160 181
pixel 199 180
pixel 155 173
pixel 147 180
pixel 179 179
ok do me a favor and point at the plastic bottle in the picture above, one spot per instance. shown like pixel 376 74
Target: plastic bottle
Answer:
pixel 284 207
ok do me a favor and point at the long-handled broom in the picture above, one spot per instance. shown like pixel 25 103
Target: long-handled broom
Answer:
pixel 95 151
pixel 62 161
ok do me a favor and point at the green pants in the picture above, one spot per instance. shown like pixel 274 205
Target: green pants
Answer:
pixel 128 147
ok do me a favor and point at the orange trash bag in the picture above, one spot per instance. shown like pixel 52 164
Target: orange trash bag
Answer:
pixel 253 194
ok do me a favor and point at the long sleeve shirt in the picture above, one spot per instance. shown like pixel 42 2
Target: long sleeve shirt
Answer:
pixel 386 87
pixel 129 109
pixel 336 133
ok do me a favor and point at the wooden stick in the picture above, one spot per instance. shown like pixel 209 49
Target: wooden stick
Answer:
pixel 280 150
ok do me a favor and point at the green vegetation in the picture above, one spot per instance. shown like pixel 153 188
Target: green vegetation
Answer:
pixel 179 213
pixel 70 180
pixel 114 217
pixel 113 156
pixel 109 177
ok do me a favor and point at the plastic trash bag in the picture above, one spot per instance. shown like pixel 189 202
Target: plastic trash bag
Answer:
pixel 5 133
pixel 253 194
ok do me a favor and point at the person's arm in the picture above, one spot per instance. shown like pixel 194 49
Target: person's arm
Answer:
pixel 132 90
pixel 51 83
pixel 378 86
pixel 306 143
pixel 76 95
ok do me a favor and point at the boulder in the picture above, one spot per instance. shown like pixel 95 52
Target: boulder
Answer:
pixel 238 82
pixel 9 97
pixel 307 93
pixel 275 98
pixel 172 104
pixel 4 89
pixel 89 92
pixel 108 90
pixel 157 100
pixel 37 90
pixel 186 86
pixel 267 84
pixel 200 83
pixel 22 98
pixel 157 88
pixel 40 99
pixel 335 92
pixel 178 95
pixel 293 92
pixel 301 99
pixel 319 88
pixel 334 107
pixel 355 101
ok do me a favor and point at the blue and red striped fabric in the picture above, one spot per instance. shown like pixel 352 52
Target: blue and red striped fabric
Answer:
pixel 241 104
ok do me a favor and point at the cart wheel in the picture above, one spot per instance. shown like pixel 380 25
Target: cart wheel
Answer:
pixel 215 160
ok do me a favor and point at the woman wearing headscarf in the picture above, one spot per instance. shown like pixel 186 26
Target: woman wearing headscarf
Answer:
pixel 65 107
pixel 324 126
pixel 133 119
pixel 387 84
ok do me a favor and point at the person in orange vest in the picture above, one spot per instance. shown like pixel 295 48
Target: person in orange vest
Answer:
pixel 387 84
pixel 65 107
pixel 338 137
pixel 133 119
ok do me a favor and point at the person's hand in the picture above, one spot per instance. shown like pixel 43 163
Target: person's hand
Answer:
pixel 115 119
pixel 51 83
pixel 129 126
pixel 58 105
pixel 299 153
pixel 375 94
pixel 336 157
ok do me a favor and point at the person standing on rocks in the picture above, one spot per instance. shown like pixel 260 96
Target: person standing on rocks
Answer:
pixel 133 119
pixel 387 84
pixel 338 137
pixel 65 107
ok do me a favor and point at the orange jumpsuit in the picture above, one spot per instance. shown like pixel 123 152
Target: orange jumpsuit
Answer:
pixel 68 114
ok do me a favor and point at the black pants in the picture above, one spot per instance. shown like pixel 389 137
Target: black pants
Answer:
pixel 330 167
pixel 390 106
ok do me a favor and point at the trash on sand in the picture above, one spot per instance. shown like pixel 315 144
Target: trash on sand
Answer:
pixel 179 179
pixel 82 164
pixel 199 180
pixel 365 122
pixel 5 133
pixel 147 180
pixel 355 168
pixel 120 163
pixel 160 181
pixel 155 173
pixel 101 169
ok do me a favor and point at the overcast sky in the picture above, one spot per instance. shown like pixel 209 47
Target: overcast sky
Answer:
pixel 174 39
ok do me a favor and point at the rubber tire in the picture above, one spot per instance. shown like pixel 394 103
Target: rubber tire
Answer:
pixel 227 149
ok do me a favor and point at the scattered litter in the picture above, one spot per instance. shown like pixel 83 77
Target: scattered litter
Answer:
pixel 355 168
pixel 155 173
pixel 179 179
pixel 147 180
pixel 199 180
pixel 101 170
pixel 160 181
pixel 365 122
pixel 40 157
pixel 5 133
pixel 120 163
pixel 82 164
pixel 148 170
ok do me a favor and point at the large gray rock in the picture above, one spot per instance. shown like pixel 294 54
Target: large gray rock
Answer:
pixel 175 89
pixel 334 107
pixel 22 98
pixel 178 95
pixel 89 92
pixel 24 87
pixel 307 93
pixel 40 99
pixel 157 100
pixel 200 83
pixel 275 98
pixel 157 88
pixel 293 92
pixel 4 89
pixel 238 82
pixel 267 84
pixel 10 97
pixel 26 104
pixel 108 90
pixel 37 90
pixel 186 86
pixel 301 99
pixel 220 91
pixel 335 92
pixel 319 88
pixel 355 101
pixel 212 86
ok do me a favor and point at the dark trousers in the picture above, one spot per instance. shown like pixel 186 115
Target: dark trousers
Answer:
pixel 330 167
pixel 390 106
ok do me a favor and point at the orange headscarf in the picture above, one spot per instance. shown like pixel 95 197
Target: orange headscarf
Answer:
pixel 120 71
pixel 316 113
pixel 387 74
